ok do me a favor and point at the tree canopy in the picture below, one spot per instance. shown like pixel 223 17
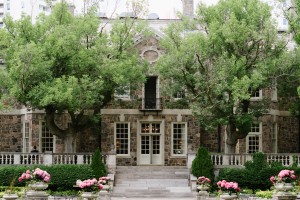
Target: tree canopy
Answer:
pixel 222 55
pixel 69 64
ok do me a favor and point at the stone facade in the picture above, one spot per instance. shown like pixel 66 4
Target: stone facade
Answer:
pixel 10 133
pixel 277 126
pixel 108 124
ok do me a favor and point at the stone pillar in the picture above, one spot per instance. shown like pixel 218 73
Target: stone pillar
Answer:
pixel 79 159
pixel 190 157
pixel 202 195
pixel 17 160
pixel 188 8
pixel 48 158
pixel 111 162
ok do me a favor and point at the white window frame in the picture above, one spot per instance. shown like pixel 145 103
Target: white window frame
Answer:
pixel 255 98
pixel 26 137
pixel 128 138
pixel 182 92
pixel 185 140
pixel 253 133
pixel 41 137
pixel 125 96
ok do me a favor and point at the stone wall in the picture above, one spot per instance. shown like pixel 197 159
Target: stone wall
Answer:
pixel 193 136
pixel 288 135
pixel 10 133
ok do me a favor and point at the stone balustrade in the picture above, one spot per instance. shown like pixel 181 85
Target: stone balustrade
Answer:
pixel 237 160
pixel 49 158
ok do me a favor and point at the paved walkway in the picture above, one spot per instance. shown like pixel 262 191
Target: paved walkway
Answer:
pixel 150 198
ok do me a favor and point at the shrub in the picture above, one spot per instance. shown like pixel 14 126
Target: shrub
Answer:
pixel 97 165
pixel 63 177
pixel 264 194
pixel 258 162
pixel 202 165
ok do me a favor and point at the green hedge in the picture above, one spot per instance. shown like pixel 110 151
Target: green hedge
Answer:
pixel 256 174
pixel 63 177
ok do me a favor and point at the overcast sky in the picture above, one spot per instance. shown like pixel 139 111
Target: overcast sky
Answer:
pixel 166 9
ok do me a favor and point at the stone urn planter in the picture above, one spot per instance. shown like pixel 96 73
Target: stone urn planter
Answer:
pixel 36 190
pixel 228 196
pixel 202 187
pixel 10 196
pixel 284 187
pixel 89 195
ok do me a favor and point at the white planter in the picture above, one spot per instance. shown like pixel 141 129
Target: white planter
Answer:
pixel 227 196
pixel 38 186
pixel 10 196
pixel 284 187
pixel 202 188
pixel 89 195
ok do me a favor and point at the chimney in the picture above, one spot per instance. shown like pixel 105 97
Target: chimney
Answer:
pixel 188 8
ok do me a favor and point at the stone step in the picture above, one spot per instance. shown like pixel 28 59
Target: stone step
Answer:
pixel 151 181
pixel 151 176
pixel 152 192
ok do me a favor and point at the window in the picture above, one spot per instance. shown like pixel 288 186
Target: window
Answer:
pixel 179 141
pixel 253 139
pixel 26 137
pixel 122 138
pixel 8 6
pixel 285 21
pixel 47 139
pixel 255 94
pixel 123 92
pixel 22 4
pixel 180 94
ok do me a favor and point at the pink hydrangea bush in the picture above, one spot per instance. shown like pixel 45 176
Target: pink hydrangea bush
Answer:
pixel 228 187
pixel 284 176
pixel 35 175
pixel 202 180
pixel 104 180
pixel 90 185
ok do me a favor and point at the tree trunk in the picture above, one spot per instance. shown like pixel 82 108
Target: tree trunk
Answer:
pixel 231 140
pixel 69 141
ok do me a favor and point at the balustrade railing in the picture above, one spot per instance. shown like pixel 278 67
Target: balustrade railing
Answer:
pixel 236 160
pixel 47 158
pixel 218 159
pixel 50 158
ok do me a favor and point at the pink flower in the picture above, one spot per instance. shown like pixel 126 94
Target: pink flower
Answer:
pixel 228 186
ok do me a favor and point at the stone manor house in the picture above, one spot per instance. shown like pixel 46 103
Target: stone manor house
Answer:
pixel 143 129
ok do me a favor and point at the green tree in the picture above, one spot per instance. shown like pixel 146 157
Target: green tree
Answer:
pixel 218 57
pixel 97 165
pixel 287 77
pixel 63 64
pixel 202 165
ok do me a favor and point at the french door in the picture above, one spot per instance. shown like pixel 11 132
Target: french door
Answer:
pixel 150 143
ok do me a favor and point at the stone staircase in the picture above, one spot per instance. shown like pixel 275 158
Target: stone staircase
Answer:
pixel 151 181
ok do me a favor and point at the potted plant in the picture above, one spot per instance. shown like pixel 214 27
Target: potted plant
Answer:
pixel 10 192
pixel 203 183
pixel 228 190
pixel 284 181
pixel 90 188
pixel 37 180
pixel 105 182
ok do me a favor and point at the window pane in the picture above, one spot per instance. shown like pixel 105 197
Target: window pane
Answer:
pixel 253 144
pixel 47 139
pixel 122 138
pixel 179 131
